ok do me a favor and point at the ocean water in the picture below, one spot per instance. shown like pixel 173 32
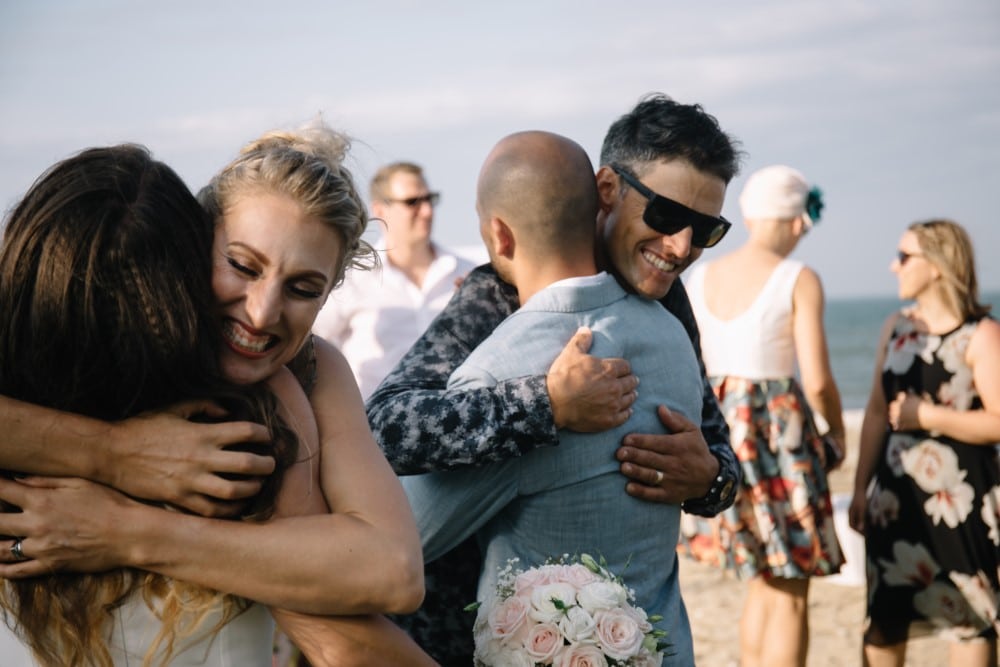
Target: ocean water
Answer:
pixel 852 329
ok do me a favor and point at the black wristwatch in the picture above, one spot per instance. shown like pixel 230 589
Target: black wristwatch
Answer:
pixel 722 490
pixel 719 496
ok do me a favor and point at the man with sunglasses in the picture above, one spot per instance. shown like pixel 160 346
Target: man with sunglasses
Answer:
pixel 678 163
pixel 374 317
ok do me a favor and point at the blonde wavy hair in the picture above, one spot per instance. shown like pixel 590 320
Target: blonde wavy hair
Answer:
pixel 946 244
pixel 306 164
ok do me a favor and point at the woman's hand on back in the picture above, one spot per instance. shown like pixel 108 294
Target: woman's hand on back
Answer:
pixel 64 524
pixel 164 456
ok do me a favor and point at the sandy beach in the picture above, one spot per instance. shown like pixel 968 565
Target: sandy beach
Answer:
pixel 836 604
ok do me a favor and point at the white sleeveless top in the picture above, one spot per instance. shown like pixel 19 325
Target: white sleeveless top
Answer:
pixel 245 641
pixel 758 343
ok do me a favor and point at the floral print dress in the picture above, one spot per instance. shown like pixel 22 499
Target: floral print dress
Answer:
pixel 932 528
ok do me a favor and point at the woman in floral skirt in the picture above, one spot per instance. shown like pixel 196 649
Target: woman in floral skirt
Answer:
pixel 927 487
pixel 760 314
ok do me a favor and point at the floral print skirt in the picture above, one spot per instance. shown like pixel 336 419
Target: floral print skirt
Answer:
pixel 781 524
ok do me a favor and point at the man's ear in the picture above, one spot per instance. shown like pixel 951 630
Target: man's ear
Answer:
pixel 503 238
pixel 608 187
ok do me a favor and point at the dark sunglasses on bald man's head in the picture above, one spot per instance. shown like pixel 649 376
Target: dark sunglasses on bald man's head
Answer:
pixel 667 216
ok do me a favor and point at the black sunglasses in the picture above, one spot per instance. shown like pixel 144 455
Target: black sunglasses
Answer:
pixel 667 216
pixel 413 202
pixel 902 256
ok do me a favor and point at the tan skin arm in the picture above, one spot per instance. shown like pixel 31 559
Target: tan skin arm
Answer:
pixel 977 427
pixel 872 432
pixel 158 456
pixel 334 641
pixel 363 558
pixel 812 353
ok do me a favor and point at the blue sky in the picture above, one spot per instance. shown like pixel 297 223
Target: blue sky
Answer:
pixel 892 107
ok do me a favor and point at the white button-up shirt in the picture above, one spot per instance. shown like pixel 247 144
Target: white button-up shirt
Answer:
pixel 375 316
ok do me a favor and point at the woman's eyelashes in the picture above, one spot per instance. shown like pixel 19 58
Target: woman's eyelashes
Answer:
pixel 300 291
pixel 245 270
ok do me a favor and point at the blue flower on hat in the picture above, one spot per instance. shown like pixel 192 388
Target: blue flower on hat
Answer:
pixel 814 203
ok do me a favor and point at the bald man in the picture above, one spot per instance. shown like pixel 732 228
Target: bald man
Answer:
pixel 537 200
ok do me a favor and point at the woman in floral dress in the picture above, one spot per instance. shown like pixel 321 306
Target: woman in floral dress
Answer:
pixel 927 487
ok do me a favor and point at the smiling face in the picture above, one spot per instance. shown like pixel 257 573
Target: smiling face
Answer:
pixel 273 267
pixel 639 255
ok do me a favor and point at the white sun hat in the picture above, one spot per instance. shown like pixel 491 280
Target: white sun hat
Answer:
pixel 780 192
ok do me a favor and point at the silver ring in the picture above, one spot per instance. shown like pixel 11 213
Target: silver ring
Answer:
pixel 15 550
pixel 659 477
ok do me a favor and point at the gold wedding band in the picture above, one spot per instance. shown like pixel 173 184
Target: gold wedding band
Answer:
pixel 659 477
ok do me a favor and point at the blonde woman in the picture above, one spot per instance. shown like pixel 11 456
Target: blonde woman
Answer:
pixel 927 486
pixel 288 222
pixel 761 314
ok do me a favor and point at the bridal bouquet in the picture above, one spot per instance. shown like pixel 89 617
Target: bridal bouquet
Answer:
pixel 567 613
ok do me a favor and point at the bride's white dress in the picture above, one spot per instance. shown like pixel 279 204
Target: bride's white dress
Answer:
pixel 246 641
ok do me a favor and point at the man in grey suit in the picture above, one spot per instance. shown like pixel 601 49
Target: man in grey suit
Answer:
pixel 537 199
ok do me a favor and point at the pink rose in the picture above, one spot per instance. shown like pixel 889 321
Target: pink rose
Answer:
pixel 507 617
pixel 542 642
pixel 578 575
pixel 580 655
pixel 638 614
pixel 533 578
pixel 618 634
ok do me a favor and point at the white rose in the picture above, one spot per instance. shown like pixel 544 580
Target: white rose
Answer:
pixel 601 595
pixel 543 607
pixel 577 625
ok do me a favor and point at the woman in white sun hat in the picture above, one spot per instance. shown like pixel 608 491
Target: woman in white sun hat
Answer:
pixel 760 314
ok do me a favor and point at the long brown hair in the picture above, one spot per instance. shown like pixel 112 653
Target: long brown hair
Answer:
pixel 105 290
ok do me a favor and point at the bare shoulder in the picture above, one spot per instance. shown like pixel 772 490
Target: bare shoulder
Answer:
pixel 986 338
pixel 331 364
pixel 808 283
pixel 336 389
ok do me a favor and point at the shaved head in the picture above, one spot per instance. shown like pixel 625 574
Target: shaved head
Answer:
pixel 541 184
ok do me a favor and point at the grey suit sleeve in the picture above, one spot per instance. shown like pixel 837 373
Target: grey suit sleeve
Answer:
pixel 421 426
pixel 450 506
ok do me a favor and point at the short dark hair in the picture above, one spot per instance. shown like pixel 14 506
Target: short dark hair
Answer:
pixel 659 128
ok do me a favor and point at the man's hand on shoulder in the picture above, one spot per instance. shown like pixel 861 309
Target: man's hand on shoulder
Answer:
pixel 589 394
pixel 668 468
